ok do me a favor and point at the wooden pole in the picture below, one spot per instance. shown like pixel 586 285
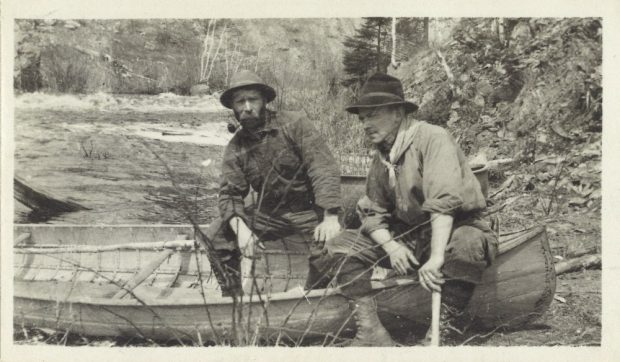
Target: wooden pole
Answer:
pixel 436 305
pixel 56 249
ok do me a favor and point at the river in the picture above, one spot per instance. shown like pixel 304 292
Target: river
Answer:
pixel 107 152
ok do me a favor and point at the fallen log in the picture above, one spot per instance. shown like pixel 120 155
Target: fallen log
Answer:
pixel 581 252
pixel 583 262
pixel 40 200
pixel 500 162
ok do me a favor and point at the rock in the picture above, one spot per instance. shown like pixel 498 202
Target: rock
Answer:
pixel 199 89
pixel 484 88
pixel 521 31
pixel 454 117
pixel 72 25
pixel 577 201
pixel 479 100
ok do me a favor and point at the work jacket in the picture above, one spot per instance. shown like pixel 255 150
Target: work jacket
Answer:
pixel 287 163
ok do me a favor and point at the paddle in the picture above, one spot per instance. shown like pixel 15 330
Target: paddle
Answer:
pixel 21 238
pixel 436 304
pixel 143 274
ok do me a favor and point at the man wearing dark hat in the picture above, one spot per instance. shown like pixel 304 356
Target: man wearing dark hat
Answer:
pixel 281 156
pixel 421 211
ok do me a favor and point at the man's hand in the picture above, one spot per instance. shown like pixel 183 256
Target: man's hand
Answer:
pixel 401 257
pixel 430 274
pixel 328 228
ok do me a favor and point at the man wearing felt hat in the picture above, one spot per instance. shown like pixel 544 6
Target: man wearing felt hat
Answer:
pixel 421 212
pixel 281 156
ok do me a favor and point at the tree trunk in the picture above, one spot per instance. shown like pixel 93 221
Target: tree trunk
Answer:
pixel 393 57
pixel 425 39
pixel 378 47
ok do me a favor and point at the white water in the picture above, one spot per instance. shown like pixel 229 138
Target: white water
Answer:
pixel 213 133
pixel 210 133
pixel 165 102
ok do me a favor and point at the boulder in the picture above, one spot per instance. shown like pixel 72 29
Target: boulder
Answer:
pixel 199 89
pixel 72 25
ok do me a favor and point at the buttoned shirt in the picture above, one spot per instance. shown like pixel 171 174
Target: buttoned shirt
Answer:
pixel 432 176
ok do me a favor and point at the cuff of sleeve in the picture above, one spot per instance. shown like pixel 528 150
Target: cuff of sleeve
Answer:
pixel 333 210
pixel 371 224
pixel 328 203
pixel 446 206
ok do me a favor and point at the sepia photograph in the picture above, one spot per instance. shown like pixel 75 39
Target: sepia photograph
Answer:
pixel 339 182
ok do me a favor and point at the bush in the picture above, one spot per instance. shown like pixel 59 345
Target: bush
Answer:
pixel 65 70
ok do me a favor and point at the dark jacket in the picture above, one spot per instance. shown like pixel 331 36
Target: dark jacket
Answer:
pixel 288 164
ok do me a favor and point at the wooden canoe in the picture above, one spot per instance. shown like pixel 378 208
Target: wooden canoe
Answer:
pixel 77 288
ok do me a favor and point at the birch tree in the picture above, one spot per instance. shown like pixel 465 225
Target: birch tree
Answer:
pixel 210 50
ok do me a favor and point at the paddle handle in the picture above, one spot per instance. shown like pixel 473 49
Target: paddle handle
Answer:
pixel 436 305
pixel 143 274
pixel 21 238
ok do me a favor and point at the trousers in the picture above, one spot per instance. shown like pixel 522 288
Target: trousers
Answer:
pixel 292 231
pixel 352 255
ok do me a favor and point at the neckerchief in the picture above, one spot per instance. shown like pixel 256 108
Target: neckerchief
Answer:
pixel 404 138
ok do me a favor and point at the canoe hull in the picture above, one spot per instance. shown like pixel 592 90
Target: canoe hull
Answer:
pixel 65 295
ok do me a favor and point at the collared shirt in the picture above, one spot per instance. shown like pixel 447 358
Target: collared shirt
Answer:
pixel 432 176
pixel 287 163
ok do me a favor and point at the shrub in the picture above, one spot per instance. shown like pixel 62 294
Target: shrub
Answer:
pixel 65 70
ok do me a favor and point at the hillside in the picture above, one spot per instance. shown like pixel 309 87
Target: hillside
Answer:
pixel 154 56
pixel 534 97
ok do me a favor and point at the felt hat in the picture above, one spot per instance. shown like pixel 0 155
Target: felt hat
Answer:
pixel 246 79
pixel 381 90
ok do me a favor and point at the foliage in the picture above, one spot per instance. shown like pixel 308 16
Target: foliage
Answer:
pixel 368 50
pixel 64 70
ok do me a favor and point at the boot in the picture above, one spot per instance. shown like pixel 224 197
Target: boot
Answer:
pixel 453 320
pixel 370 331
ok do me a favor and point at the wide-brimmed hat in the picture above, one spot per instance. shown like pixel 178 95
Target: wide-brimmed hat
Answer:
pixel 246 79
pixel 381 90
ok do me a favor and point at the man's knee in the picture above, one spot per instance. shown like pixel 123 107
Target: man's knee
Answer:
pixel 468 254
pixel 467 243
pixel 352 275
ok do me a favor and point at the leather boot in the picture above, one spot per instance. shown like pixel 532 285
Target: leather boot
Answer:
pixel 370 331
